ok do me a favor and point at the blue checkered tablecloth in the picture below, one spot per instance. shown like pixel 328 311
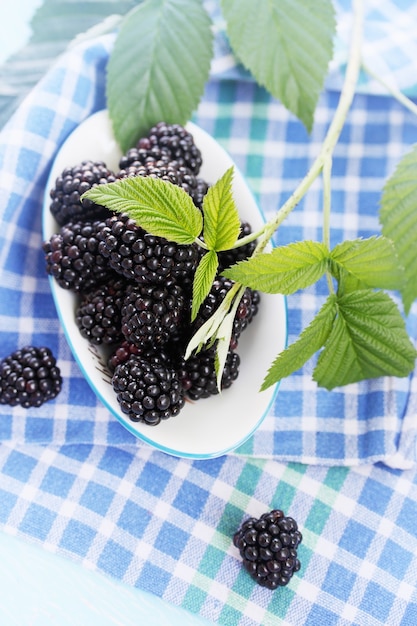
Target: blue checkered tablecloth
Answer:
pixel 342 463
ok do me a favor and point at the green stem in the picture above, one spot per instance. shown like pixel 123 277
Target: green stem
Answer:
pixel 393 91
pixel 333 133
pixel 327 183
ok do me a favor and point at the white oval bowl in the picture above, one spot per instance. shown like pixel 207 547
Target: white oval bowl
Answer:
pixel 212 426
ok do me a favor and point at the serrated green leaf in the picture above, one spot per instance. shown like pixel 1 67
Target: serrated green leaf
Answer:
pixel 287 46
pixel 371 261
pixel 308 343
pixel 368 340
pixel 348 283
pixel 158 67
pixel 283 270
pixel 221 217
pixel 159 207
pixel 203 280
pixel 398 216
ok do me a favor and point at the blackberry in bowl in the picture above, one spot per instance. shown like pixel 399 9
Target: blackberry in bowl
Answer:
pixel 204 427
pixel 268 547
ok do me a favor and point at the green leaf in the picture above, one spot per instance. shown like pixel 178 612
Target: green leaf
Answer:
pixel 368 340
pixel 287 45
pixel 203 280
pixel 371 261
pixel 159 207
pixel 221 217
pixel 398 216
pixel 309 342
pixel 158 67
pixel 348 283
pixel 283 270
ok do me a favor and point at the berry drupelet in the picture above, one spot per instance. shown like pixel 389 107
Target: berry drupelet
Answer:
pixel 147 391
pixel 29 377
pixel 66 205
pixel 268 547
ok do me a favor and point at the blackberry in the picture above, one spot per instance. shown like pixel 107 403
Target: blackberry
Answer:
pixel 152 313
pixel 169 171
pixel 199 191
pixel 230 257
pixel 147 392
pixel 73 259
pixel 198 374
pixel 29 377
pixel 126 349
pixel 142 154
pixel 268 547
pixel 98 315
pixel 247 307
pixel 121 354
pixel 141 257
pixel 69 186
pixel 178 142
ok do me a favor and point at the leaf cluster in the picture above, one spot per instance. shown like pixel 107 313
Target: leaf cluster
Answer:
pixel 359 332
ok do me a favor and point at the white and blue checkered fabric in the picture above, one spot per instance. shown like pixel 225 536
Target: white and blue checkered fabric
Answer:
pixel 342 463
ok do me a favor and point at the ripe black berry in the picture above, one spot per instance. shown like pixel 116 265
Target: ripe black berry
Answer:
pixel 29 377
pixel 69 186
pixel 147 391
pixel 198 374
pixel 268 547
pixel 98 315
pixel 152 313
pixel 73 259
pixel 141 257
pixel 178 142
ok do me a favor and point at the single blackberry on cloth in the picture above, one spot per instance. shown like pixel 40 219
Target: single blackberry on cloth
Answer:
pixel 29 377
pixel 66 205
pixel 198 374
pixel 147 391
pixel 98 315
pixel 73 259
pixel 151 314
pixel 141 257
pixel 268 547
